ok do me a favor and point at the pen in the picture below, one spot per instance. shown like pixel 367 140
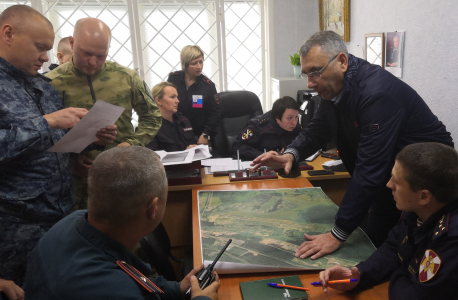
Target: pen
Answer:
pixel 336 281
pixel 288 286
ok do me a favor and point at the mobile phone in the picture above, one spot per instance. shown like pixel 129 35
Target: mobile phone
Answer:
pixel 320 172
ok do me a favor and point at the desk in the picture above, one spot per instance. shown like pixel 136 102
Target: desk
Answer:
pixel 230 288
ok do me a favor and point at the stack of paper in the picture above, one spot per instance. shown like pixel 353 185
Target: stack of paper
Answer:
pixel 184 157
pixel 224 164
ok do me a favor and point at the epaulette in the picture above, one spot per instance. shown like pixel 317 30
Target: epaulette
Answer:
pixel 205 79
pixel 175 73
pixel 263 120
pixel 143 280
pixel 441 226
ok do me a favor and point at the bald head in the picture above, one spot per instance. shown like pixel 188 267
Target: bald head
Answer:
pixel 90 44
pixel 25 37
pixel 22 17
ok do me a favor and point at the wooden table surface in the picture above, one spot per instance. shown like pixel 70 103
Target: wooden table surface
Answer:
pixel 317 165
pixel 230 288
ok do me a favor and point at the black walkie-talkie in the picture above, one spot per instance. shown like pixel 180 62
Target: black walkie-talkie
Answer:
pixel 206 276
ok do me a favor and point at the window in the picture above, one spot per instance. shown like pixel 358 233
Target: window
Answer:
pixel 148 36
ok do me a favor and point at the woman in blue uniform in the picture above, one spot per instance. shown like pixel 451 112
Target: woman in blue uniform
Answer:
pixel 176 132
pixel 199 101
pixel 272 131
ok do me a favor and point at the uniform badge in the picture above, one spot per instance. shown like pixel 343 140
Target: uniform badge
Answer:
pixel 217 98
pixel 429 265
pixel 187 129
pixel 374 127
pixel 247 134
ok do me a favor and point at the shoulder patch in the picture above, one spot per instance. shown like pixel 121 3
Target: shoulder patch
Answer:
pixel 247 134
pixel 263 120
pixel 205 79
pixel 139 277
pixel 216 98
pixel 429 265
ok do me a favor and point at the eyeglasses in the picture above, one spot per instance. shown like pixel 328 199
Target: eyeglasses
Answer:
pixel 317 74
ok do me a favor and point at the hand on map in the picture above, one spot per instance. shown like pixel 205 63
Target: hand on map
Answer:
pixel 318 245
pixel 188 282
pixel 336 273
pixel 274 160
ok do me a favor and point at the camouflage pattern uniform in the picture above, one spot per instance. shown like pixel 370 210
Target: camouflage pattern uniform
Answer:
pixel 35 185
pixel 117 85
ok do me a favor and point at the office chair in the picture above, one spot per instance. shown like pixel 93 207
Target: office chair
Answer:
pixel 237 107
pixel 156 246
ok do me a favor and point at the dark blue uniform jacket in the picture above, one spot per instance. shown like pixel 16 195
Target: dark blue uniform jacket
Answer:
pixel 263 132
pixel 374 118
pixel 204 118
pixel 421 262
pixel 174 136
pixel 74 260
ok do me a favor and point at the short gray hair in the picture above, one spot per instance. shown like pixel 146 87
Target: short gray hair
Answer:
pixel 330 42
pixel 122 181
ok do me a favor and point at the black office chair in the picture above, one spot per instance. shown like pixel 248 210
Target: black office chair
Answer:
pixel 237 107
pixel 156 246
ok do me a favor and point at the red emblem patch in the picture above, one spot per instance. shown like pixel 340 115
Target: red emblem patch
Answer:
pixel 247 134
pixel 429 265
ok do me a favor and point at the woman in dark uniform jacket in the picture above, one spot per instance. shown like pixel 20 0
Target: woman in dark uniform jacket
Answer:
pixel 198 98
pixel 176 132
pixel 272 131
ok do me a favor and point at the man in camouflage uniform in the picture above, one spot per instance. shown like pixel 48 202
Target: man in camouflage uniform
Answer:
pixel 87 78
pixel 35 185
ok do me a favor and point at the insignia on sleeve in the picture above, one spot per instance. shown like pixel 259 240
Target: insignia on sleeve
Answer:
pixel 247 134
pixel 217 98
pixel 429 265
pixel 139 277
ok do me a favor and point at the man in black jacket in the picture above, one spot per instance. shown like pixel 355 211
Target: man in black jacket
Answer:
pixel 419 256
pixel 373 115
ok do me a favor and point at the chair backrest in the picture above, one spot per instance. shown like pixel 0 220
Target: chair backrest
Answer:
pixel 237 108
pixel 156 246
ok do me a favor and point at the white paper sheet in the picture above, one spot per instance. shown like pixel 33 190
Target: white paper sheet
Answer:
pixel 101 115
pixel 184 157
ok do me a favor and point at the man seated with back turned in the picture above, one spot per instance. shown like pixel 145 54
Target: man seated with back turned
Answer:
pixel 419 255
pixel 89 254
pixel 272 131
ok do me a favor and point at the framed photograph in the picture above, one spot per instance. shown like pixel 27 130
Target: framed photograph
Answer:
pixel 335 16
pixel 374 50
pixel 394 49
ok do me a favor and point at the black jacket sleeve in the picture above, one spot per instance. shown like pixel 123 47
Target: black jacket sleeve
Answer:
pixel 246 147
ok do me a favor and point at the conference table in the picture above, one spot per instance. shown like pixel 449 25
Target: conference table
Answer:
pixel 230 288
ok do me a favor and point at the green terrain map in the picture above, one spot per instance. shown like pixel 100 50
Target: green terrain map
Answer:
pixel 267 226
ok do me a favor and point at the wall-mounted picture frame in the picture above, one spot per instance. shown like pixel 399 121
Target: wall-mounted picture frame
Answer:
pixel 335 16
pixel 394 49
pixel 374 48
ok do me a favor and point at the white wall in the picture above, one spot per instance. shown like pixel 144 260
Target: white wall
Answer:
pixel 431 47
pixel 292 22
pixel 431 43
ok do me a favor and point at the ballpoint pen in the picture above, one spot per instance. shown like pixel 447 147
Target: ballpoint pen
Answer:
pixel 288 286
